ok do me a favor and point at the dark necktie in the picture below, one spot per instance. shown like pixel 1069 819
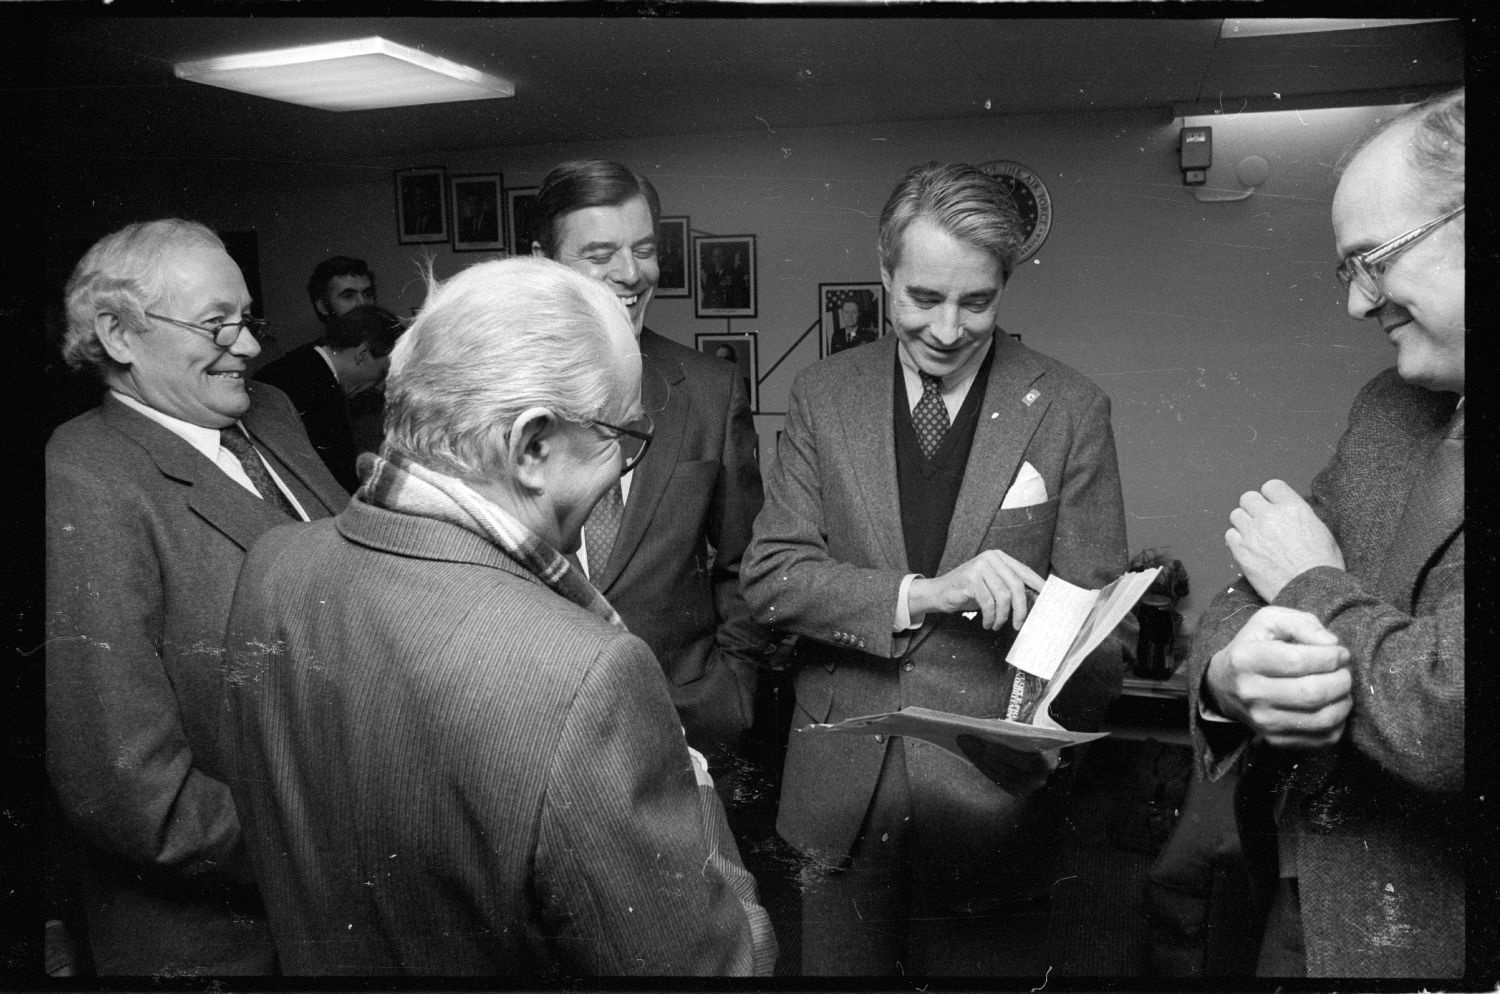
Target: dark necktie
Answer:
pixel 235 441
pixel 602 528
pixel 930 416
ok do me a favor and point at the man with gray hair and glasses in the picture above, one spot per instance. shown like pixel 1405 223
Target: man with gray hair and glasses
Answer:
pixel 1335 667
pixel 153 499
pixel 450 754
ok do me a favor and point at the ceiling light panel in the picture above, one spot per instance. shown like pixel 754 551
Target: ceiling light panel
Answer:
pixel 363 74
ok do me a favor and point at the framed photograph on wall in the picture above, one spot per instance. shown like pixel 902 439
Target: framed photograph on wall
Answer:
pixel 672 257
pixel 853 314
pixel 726 276
pixel 740 349
pixel 421 206
pixel 477 221
pixel 520 219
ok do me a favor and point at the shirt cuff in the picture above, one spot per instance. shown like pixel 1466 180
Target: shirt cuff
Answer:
pixel 904 620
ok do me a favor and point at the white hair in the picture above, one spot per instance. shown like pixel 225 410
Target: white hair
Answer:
pixel 124 274
pixel 496 339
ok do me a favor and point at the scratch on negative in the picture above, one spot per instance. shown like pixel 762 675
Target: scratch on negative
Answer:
pixel 1046 977
pixel 62 638
pixel 769 129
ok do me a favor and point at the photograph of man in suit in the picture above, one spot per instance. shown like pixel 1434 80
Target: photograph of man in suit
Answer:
pixel 323 377
pixel 664 546
pixel 1335 667
pixel 153 499
pixel 854 327
pixel 456 760
pixel 923 483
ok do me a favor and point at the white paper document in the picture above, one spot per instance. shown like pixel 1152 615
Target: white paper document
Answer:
pixel 1064 625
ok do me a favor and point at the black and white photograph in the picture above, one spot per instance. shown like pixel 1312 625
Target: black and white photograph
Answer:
pixel 853 314
pixel 672 257
pixel 421 213
pixel 726 276
pixel 476 213
pixel 520 212
pixel 740 349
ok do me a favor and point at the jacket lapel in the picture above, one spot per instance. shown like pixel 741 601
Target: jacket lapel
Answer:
pixel 212 495
pixel 864 403
pixel 302 461
pixel 1014 402
pixel 1434 511
pixel 668 404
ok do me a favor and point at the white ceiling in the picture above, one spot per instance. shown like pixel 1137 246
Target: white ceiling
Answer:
pixel 605 77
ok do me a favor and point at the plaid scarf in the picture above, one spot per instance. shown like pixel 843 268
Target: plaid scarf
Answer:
pixel 406 487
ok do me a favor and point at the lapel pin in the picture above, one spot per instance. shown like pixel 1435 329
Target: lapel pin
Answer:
pixel 994 415
pixel 1031 397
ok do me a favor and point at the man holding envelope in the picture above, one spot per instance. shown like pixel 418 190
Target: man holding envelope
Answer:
pixel 922 485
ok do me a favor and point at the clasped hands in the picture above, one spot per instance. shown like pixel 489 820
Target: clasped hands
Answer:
pixel 1274 536
pixel 1286 677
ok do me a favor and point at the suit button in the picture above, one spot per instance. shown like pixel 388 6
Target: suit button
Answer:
pixel 908 666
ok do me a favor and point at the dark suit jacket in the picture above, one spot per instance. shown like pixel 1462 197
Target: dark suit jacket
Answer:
pixel 1378 822
pixel 444 767
pixel 827 563
pixel 303 376
pixel 144 543
pixel 674 573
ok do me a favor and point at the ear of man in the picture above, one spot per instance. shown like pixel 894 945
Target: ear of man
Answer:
pixel 533 447
pixel 111 332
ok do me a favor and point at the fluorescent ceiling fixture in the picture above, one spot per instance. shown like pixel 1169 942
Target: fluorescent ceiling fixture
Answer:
pixel 1261 27
pixel 362 74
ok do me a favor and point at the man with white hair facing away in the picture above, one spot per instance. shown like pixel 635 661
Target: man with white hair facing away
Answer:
pixel 450 755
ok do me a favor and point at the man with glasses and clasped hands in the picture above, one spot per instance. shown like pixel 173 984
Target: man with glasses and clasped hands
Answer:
pixel 1335 666
pixel 153 499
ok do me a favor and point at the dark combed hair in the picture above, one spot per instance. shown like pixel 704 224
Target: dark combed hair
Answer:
pixel 582 183
pixel 967 203
pixel 369 325
pixel 339 265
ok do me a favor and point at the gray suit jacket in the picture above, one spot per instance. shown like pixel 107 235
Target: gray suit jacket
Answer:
pixel 827 563
pixel 444 767
pixel 1378 819
pixel 144 543
pixel 674 573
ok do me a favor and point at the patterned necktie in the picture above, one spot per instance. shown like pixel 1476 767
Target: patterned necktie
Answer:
pixel 602 528
pixel 930 416
pixel 235 441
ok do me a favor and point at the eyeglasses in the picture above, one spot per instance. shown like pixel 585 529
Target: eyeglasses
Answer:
pixel 1364 270
pixel 225 334
pixel 633 441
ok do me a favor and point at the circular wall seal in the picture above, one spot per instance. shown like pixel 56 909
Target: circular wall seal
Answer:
pixel 1029 194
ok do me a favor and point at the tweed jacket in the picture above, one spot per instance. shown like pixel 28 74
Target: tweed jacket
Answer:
pixel 144 542
pixel 827 563
pixel 674 573
pixel 444 767
pixel 1377 820
pixel 303 376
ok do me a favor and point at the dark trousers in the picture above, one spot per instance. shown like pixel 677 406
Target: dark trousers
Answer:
pixel 876 916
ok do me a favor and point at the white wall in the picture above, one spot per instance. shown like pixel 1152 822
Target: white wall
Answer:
pixel 1217 329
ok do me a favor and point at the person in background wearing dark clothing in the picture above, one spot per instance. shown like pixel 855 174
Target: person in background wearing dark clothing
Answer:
pixel 1335 666
pixel 323 377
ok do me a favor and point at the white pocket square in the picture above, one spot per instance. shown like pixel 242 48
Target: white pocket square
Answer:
pixel 1027 490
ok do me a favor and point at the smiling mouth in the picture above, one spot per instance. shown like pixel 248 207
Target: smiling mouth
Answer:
pixel 631 300
pixel 229 374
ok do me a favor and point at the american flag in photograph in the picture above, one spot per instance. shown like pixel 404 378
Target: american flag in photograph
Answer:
pixel 834 299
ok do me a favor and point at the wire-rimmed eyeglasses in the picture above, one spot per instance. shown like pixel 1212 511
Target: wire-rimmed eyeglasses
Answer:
pixel 224 334
pixel 1364 270
pixel 633 441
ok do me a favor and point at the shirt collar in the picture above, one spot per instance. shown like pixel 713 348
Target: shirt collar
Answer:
pixel 954 380
pixel 205 440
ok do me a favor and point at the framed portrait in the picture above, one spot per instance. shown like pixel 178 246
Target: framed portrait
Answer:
pixel 725 265
pixel 477 221
pixel 853 314
pixel 421 206
pixel 520 219
pixel 672 257
pixel 740 349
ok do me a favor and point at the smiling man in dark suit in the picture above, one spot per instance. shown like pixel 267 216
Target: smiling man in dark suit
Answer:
pixel 665 546
pixel 153 499
pixel 923 483
pixel 1335 666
